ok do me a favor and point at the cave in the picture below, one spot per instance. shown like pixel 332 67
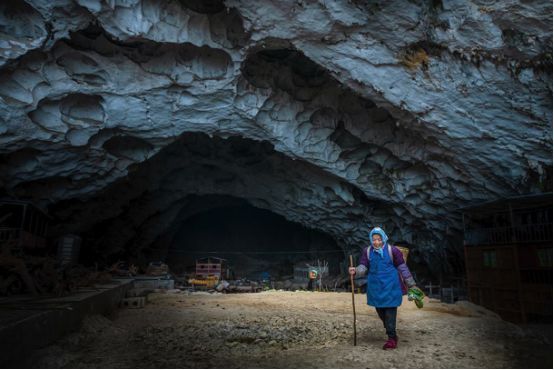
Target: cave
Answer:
pixel 208 171
pixel 249 191
pixel 253 241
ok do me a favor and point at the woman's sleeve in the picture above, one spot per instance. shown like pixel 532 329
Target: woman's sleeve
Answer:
pixel 401 266
pixel 364 263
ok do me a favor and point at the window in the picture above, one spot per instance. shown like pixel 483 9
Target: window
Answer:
pixel 545 257
pixel 489 258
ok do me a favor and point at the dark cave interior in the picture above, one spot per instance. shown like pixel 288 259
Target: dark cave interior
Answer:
pixel 252 241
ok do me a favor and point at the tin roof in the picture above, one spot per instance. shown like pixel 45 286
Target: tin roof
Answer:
pixel 23 203
pixel 515 202
pixel 210 258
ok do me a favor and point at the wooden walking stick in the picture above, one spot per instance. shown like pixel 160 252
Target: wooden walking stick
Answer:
pixel 353 304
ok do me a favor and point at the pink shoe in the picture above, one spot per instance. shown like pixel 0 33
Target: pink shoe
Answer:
pixel 390 344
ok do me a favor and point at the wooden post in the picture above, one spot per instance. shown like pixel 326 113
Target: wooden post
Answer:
pixel 515 254
pixel 353 303
pixel 440 285
pixel 512 224
pixel 465 231
pixel 22 230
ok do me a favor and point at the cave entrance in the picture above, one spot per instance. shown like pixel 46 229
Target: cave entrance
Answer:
pixel 255 243
pixel 232 198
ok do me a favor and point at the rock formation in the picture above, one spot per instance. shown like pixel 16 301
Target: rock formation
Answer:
pixel 333 114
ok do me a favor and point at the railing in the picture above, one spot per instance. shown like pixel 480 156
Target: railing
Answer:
pixel 7 234
pixel 506 235
pixel 535 233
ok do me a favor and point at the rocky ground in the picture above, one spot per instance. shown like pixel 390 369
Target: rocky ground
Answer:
pixel 278 329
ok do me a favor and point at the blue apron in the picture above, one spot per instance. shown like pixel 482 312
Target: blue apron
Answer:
pixel 383 285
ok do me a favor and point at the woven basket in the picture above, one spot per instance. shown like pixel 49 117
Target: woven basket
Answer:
pixel 405 251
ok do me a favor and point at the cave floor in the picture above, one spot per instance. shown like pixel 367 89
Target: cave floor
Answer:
pixel 278 329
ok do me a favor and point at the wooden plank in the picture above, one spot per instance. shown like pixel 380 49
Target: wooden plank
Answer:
pixel 518 275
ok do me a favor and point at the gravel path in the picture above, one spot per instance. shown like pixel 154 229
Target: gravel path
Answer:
pixel 279 329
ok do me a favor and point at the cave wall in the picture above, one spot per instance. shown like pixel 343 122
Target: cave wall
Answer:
pixel 395 113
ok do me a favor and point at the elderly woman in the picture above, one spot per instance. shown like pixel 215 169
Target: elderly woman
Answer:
pixel 387 278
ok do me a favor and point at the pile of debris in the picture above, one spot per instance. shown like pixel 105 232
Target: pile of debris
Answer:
pixel 40 275
pixel 239 286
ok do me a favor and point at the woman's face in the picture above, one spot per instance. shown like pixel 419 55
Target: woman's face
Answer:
pixel 377 241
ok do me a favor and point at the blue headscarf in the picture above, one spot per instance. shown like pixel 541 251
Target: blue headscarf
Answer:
pixel 384 237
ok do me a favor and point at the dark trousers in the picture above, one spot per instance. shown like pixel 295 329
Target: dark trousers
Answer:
pixel 388 317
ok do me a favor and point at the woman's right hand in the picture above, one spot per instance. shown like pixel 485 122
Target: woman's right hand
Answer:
pixel 352 270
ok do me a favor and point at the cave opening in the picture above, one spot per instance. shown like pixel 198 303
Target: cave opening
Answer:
pixel 253 241
pixel 232 198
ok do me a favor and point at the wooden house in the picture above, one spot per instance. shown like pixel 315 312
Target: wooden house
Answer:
pixel 508 256
pixel 22 224
pixel 210 267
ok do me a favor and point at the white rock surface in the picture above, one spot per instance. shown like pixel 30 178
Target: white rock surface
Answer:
pixel 393 113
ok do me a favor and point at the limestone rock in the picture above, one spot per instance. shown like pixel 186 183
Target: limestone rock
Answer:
pixel 334 114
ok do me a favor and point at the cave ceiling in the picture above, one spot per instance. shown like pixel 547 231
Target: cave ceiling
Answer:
pixel 334 114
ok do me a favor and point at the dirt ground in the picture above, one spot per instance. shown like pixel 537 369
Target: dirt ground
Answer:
pixel 279 329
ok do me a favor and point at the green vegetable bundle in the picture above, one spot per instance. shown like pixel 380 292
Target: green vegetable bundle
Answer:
pixel 415 294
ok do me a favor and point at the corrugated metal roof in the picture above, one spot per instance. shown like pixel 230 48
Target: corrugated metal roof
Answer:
pixel 24 202
pixel 516 202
